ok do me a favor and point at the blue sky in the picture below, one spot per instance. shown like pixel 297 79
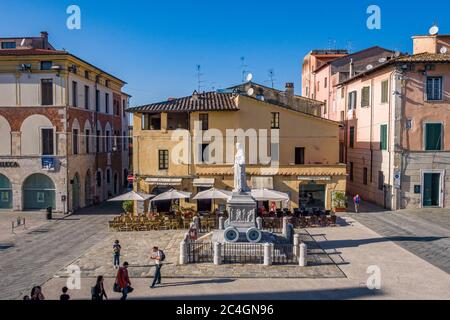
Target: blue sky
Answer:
pixel 156 45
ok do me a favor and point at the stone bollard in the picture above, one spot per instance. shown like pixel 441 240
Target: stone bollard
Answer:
pixel 267 254
pixel 183 250
pixel 259 223
pixel 217 253
pixel 296 245
pixel 221 223
pixel 285 227
pixel 196 221
pixel 290 233
pixel 303 255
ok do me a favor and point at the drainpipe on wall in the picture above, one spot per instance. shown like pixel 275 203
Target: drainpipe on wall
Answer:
pixel 66 122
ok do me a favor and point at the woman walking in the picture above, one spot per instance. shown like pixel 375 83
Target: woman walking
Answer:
pixel 98 291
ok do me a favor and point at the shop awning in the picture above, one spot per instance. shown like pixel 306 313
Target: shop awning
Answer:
pixel 203 182
pixel 164 181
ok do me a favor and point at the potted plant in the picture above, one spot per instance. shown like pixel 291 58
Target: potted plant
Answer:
pixel 128 206
pixel 338 201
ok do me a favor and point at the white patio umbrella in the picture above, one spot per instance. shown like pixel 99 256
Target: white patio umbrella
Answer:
pixel 269 195
pixel 172 194
pixel 213 193
pixel 132 196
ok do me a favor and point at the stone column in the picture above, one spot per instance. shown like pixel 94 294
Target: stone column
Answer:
pixel 259 223
pixel 217 253
pixel 296 245
pixel 183 250
pixel 221 223
pixel 303 255
pixel 285 227
pixel 267 254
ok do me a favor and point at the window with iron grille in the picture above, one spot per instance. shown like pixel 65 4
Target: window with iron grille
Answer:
pixel 275 124
pixel 163 159
pixel 106 102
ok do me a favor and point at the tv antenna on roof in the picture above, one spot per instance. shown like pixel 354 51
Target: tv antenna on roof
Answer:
pixel 243 68
pixel 271 77
pixel 199 76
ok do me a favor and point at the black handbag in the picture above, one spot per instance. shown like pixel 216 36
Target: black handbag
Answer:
pixel 130 289
pixel 117 288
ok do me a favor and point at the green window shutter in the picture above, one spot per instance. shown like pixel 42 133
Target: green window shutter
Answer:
pixel 384 91
pixel 365 96
pixel 433 133
pixel 383 137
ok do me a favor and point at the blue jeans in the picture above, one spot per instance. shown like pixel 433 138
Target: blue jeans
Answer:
pixel 116 260
pixel 124 293
pixel 157 278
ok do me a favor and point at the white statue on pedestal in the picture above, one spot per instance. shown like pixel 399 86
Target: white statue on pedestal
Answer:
pixel 240 179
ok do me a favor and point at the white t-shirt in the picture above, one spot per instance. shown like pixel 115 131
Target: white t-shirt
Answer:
pixel 157 254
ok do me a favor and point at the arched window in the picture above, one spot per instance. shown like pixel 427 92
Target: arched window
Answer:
pixel 5 193
pixel 38 192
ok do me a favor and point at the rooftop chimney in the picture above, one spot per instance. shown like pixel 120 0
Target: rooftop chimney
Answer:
pixel 44 37
pixel 290 88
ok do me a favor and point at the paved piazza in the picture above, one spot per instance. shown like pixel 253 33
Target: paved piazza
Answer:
pixel 339 263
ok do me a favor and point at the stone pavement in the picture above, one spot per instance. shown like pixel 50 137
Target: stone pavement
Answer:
pixel 402 275
pixel 136 250
pixel 424 232
pixel 36 255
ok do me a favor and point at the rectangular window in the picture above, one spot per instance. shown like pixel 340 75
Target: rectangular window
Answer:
pixel 75 141
pixel 383 137
pixel 433 136
pixel 325 83
pixel 434 88
pixel 151 121
pixel 365 97
pixel 352 137
pixel 275 124
pixel 87 140
pixel 97 141
pixel 86 97
pixel 342 93
pixel 341 152
pixel 46 65
pixel 365 176
pixel 47 92
pixel 74 94
pixel 203 117
pixel 97 100
pixel 107 141
pixel 380 180
pixel 9 45
pixel 352 100
pixel 124 106
pixel 106 102
pixel 299 155
pixel 384 91
pixel 86 74
pixel 351 171
pixel 205 153
pixel 47 142
pixel 325 107
pixel 163 159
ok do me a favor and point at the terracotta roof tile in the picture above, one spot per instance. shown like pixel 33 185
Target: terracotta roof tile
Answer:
pixel 426 57
pixel 208 101
pixel 26 52
pixel 298 170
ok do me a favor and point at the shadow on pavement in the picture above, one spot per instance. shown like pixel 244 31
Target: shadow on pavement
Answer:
pixel 191 283
pixel 332 244
pixel 319 294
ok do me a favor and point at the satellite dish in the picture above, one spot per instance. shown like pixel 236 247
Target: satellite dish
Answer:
pixel 382 60
pixel 22 43
pixel 250 91
pixel 434 30
pixel 443 50
pixel 397 54
pixel 369 67
pixel 249 77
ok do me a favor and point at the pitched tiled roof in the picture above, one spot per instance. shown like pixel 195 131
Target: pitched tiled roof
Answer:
pixel 426 57
pixel 208 101
pixel 297 170
pixel 26 52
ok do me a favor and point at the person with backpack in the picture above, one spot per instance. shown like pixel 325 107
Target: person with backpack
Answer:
pixel 98 291
pixel 357 201
pixel 116 254
pixel 158 256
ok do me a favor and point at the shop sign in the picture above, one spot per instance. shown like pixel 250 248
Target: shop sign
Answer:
pixel 9 164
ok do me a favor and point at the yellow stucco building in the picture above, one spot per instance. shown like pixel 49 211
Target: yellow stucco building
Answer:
pixel 287 149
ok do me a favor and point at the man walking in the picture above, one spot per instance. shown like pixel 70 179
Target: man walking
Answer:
pixel 158 256
pixel 357 201
pixel 116 254
pixel 123 280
